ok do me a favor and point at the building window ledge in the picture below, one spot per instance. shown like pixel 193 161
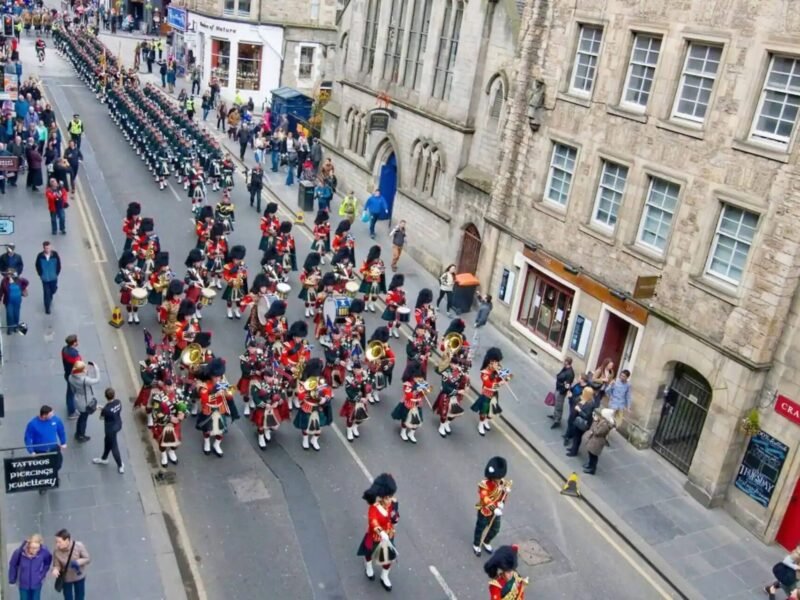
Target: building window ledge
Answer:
pixel 551 210
pixel 540 344
pixel 715 288
pixel 573 99
pixel 425 205
pixel 646 256
pixel 606 237
pixel 626 113
pixel 762 150
pixel 683 128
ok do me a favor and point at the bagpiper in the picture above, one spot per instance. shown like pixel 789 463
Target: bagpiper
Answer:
pixel 276 328
pixel 336 356
pixel 168 411
pixel 381 360
pixel 216 251
pixel 343 241
pixel 504 581
pixel 235 276
pixel 158 280
pixel 203 226
pixel 286 248
pixel 146 247
pixel 425 314
pixel 269 226
pixel 355 330
pixel 493 491
pixel 357 389
pixel 270 407
pixel 493 377
pixel 252 365
pixel 168 311
pixel 409 410
pixel 418 349
pixel 186 328
pixel 374 282
pixel 154 370
pixel 129 278
pixel 295 354
pixel 309 279
pixel 215 395
pixel 131 224
pixel 225 212
pixel 344 271
pixel 382 518
pixel 454 370
pixel 195 279
pixel 314 397
pixel 322 235
pixel 395 298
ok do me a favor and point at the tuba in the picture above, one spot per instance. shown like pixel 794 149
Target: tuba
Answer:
pixel 453 342
pixel 375 351
pixel 192 355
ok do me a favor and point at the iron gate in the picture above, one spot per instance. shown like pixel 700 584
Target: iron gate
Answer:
pixel 682 417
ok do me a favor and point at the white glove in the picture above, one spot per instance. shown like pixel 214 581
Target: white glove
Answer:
pixel 501 505
pixel 384 536
pixel 498 512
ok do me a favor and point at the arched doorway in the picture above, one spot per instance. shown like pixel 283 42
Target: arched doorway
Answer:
pixel 387 180
pixel 470 250
pixel 682 417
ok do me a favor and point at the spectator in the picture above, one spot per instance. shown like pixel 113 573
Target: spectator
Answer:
pixel 573 397
pixel 162 70
pixel 11 260
pixel 206 104
pixel 786 575
pixel 45 434
pixel 48 267
pixel 61 171
pixel 71 559
pixel 28 567
pixel 172 74
pixel 323 194
pixel 70 355
pixel 255 186
pixel 112 425
pixel 580 420
pixel 619 395
pixel 447 280
pixel 375 208
pixel 316 153
pixel 74 157
pixel 596 440
pixel 16 148
pixel 564 380
pixel 484 309
pixel 222 116
pixel 275 150
pixel 12 289
pixel 57 200
pixel 349 207
pixel 151 58
pixel 398 236
pixel 195 76
pixel 243 137
pixel 291 158
pixel 35 160
pixel 82 383
pixel 47 116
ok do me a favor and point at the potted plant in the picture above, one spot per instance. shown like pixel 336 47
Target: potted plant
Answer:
pixel 751 424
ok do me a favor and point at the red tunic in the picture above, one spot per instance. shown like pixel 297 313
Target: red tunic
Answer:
pixel 184 334
pixel 210 401
pixel 512 585
pixel 322 231
pixel 284 243
pixel 203 231
pixel 395 298
pixel 309 403
pixel 291 353
pixel 489 379
pixel 490 493
pixel 130 227
pixel 370 275
pixel 275 329
pixel 411 396
pixel 378 519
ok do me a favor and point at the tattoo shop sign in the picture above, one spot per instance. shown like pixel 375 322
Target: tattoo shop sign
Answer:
pixel 31 472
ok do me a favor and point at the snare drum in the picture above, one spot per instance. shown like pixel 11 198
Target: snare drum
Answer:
pixel 207 296
pixel 283 290
pixel 403 314
pixel 351 288
pixel 138 296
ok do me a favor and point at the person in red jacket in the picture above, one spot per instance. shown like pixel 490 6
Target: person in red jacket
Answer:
pixel 382 517
pixel 57 200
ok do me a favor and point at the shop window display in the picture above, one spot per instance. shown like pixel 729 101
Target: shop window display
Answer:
pixel 248 70
pixel 545 308
pixel 221 61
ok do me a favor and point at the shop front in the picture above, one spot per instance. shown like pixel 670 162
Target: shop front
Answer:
pixel 241 56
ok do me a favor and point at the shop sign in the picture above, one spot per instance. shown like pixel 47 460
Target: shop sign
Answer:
pixel 9 163
pixel 176 18
pixel 29 473
pixel 212 27
pixel 645 286
pixel 788 409
pixel 761 467
pixel 379 119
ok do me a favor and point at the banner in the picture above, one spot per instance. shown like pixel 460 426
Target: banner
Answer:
pixel 35 472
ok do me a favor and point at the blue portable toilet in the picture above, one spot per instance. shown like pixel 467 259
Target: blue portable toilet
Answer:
pixel 295 105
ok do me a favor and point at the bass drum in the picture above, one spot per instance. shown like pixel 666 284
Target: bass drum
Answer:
pixel 336 308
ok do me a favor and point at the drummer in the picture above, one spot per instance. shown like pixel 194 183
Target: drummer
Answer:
pixel 131 294
pixel 269 227
pixel 271 265
pixel 345 274
pixel 395 298
pixel 285 247
pixel 309 280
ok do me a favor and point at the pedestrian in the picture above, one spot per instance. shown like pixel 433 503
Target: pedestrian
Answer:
pixel 349 207
pixel 206 104
pixel 75 128
pixel 11 260
pixel 447 280
pixel 572 399
pixel 596 440
pixel 57 200
pixel 482 317
pixel 255 186
pixel 162 70
pixel 375 208
pixel 48 267
pixel 151 58
pixel 74 157
pixel 619 395
pixel 62 171
pixel 85 402
pixel 564 380
pixel 172 75
pixel 12 290
pixel 195 72
pixel 275 142
pixel 190 107
pixel 222 116
pixel 786 575
pixel 398 237
pixel 28 567
pixel 243 137
pixel 45 434
pixel 291 158
pixel 323 194
pixel 34 159
pixel 112 425
pixel 70 560
pixel 70 355
pixel 580 420
pixel 316 153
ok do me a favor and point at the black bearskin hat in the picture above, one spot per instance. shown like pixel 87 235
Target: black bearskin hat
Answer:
pixel 381 334
pixel 207 212
pixel 413 370
pixel 492 355
pixel 203 339
pixel 343 255
pixel 260 280
pixel 356 306
pixel 134 209
pixel 312 260
pixel 270 254
pixel 456 326
pixel 286 227
pixel 195 256
pixel 496 468
pixel 384 486
pixel 147 225
pixel 175 288
pixel 271 209
pixel 328 279
pixel 237 253
pixel 162 260
pixel 374 253
pixel 322 217
pixel 217 230
pixel 313 368
pixel 186 309
pixel 343 226
pixel 398 280
pixel 215 368
pixel 126 259
pixel 503 559
pixel 425 296
pixel 298 329
pixel 277 309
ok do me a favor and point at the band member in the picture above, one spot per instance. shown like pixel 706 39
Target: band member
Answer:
pixel 381 359
pixel 454 347
pixel 285 247
pixel 227 168
pixel 235 276
pixel 425 314
pixel 314 396
pixel 295 355
pixel 168 412
pixel 191 368
pixel 273 269
pixel 186 329
pixel 276 328
pixel 168 311
pixel 309 279
pixel 259 289
pixel 409 410
pixel 344 271
pixel 225 212
pixel 382 518
pixel 357 389
pixel 205 223
pixel 154 371
pixel 270 406
pixel 336 356
pixel 374 282
pixel 215 397
pixel 395 298
pixel 322 235
pixel 195 279
pixel 131 223
pixel 146 246
pixel 326 288
pixel 355 330
pixel 269 227
pixel 344 241
pixel 129 278
pixel 418 349
pixel 493 377
pixel 216 251
pixel 504 581
pixel 252 364
pixel 493 490
pixel 455 379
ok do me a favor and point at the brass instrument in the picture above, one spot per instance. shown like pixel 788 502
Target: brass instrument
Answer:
pixel 163 282
pixel 192 355
pixel 453 342
pixel 311 384
pixel 376 270
pixel 375 351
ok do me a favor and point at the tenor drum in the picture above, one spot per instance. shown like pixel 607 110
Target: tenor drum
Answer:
pixel 351 288
pixel 283 290
pixel 336 308
pixel 138 296
pixel 403 314
pixel 207 296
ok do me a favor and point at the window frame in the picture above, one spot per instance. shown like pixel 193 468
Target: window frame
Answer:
pixel 243 13
pixel 593 220
pixel 300 64
pixel 550 168
pixel 715 276
pixel 534 281
pixel 572 88
pixel 773 140
pixel 368 41
pixel 639 242
pixel 497 97
pixel 392 52
pixel 683 117
pixel 629 104
pixel 417 43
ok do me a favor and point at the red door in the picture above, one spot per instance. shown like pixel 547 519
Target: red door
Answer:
pixel 614 340
pixel 789 533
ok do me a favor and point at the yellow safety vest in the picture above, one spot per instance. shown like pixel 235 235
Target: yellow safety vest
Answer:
pixel 76 127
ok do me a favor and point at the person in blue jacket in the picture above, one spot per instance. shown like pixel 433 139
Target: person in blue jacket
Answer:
pixel 376 208
pixel 28 567
pixel 44 434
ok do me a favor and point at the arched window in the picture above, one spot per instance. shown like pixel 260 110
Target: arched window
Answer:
pixel 344 46
pixel 394 41
pixel 364 134
pixel 448 49
pixel 427 161
pixel 350 127
pixel 370 36
pixel 496 98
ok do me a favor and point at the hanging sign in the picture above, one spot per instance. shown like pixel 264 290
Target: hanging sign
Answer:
pixel 35 472
pixel 761 467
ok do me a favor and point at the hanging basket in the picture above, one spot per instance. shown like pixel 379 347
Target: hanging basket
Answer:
pixel 751 424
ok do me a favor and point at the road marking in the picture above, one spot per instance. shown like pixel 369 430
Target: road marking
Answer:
pixel 349 447
pixel 442 583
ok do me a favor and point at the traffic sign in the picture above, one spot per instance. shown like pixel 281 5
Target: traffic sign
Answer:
pixel 6 225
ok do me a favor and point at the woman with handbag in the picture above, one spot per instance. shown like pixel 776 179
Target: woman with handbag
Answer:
pixel 786 574
pixel 85 403
pixel 70 560
pixel 580 420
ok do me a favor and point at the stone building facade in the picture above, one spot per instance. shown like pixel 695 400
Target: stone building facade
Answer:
pixel 419 100
pixel 651 150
